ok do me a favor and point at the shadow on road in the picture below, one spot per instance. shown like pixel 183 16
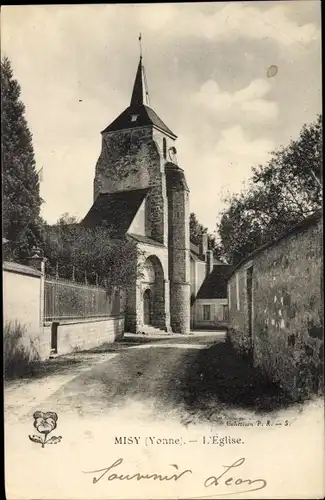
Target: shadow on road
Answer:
pixel 218 377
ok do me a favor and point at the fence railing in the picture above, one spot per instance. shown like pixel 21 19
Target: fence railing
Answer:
pixel 66 300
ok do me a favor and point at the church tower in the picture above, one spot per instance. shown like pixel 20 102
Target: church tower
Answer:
pixel 138 162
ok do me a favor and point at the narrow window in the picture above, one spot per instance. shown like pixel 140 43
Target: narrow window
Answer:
pixel 164 148
pixel 225 313
pixel 229 295
pixel 237 291
pixel 206 312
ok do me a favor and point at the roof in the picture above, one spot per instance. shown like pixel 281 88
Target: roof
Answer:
pixel 115 210
pixel 175 177
pixel 145 116
pixel 215 285
pixel 14 267
pixel 143 113
pixel 145 239
pixel 196 255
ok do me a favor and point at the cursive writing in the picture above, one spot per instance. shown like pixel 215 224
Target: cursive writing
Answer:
pixel 228 482
pixel 137 476
pixel 253 484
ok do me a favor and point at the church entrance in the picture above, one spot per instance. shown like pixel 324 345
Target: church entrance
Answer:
pixel 147 307
pixel 153 296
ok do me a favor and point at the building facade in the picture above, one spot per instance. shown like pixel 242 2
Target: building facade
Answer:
pixel 209 300
pixel 140 192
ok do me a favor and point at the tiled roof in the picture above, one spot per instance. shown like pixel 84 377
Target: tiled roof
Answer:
pixel 145 239
pixel 115 210
pixel 215 285
pixel 144 116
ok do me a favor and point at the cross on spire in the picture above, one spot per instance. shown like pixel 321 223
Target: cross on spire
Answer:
pixel 140 94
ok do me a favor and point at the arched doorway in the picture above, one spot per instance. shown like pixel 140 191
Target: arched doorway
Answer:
pixel 147 307
pixel 153 296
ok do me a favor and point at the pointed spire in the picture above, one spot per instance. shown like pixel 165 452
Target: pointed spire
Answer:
pixel 138 87
pixel 140 93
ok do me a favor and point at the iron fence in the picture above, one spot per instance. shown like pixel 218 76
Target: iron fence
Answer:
pixel 67 300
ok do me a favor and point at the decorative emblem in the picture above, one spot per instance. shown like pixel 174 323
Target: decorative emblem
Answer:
pixel 45 423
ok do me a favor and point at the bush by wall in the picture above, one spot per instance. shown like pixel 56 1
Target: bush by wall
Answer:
pixel 20 352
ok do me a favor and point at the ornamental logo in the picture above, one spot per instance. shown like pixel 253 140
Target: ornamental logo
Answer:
pixel 45 423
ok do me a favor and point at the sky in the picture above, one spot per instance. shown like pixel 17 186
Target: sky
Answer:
pixel 207 71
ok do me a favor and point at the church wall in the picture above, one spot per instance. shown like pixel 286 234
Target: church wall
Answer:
pixel 130 159
pixel 138 225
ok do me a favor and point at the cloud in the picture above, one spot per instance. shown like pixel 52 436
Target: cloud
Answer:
pixel 230 22
pixel 224 166
pixel 247 102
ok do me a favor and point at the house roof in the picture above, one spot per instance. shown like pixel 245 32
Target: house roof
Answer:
pixel 115 210
pixel 197 256
pixel 138 108
pixel 215 285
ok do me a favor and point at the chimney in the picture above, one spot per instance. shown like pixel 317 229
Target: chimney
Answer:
pixel 204 245
pixel 209 262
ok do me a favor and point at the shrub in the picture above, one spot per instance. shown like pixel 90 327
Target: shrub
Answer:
pixel 20 352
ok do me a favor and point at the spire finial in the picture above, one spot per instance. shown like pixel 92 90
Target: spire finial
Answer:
pixel 140 44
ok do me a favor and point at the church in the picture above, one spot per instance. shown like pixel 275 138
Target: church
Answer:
pixel 140 192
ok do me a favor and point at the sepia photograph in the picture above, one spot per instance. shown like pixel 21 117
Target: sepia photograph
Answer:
pixel 162 243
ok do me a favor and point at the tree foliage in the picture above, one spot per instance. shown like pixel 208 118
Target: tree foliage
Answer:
pixel 91 255
pixel 280 194
pixel 196 232
pixel 21 197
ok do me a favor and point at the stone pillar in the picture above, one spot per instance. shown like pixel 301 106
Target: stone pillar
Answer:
pixel 179 249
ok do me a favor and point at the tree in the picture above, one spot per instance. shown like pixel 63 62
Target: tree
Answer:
pixel 279 195
pixel 196 232
pixel 21 197
pixel 83 253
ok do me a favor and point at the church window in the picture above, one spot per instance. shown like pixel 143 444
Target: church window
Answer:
pixel 164 148
pixel 134 118
pixel 206 312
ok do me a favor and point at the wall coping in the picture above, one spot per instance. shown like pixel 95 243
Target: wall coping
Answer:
pixel 14 267
pixel 81 321
pixel 297 228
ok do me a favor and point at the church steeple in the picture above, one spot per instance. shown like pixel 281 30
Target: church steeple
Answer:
pixel 139 113
pixel 140 94
pixel 139 88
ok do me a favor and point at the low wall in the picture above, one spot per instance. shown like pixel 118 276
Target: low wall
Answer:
pixel 23 294
pixel 286 333
pixel 87 334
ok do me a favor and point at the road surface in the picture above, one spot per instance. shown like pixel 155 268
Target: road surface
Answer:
pixel 195 378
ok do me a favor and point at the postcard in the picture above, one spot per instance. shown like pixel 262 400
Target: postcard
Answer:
pixel 162 251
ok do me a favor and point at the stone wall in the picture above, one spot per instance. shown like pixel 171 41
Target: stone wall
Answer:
pixel 83 335
pixel 131 159
pixel 286 338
